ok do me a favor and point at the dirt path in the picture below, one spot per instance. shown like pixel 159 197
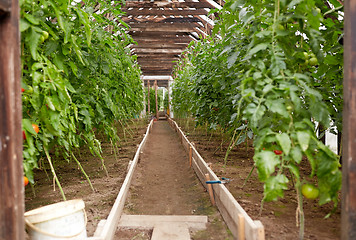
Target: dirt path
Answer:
pixel 164 184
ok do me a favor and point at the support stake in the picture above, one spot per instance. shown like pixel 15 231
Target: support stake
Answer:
pixel 190 156
pixel 210 189
pixel 241 227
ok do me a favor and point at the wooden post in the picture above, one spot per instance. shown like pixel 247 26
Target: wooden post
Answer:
pixel 348 210
pixel 11 169
pixel 210 189
pixel 241 227
pixel 190 156
pixel 156 100
pixel 148 98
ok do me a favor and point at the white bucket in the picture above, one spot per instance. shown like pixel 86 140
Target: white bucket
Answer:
pixel 63 220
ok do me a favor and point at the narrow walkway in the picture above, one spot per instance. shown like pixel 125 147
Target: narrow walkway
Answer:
pixel 163 183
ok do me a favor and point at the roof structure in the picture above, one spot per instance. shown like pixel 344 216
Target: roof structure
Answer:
pixel 163 29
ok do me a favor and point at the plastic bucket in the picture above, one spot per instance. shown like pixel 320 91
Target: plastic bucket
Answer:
pixel 63 220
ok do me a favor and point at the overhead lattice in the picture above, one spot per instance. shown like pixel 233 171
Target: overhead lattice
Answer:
pixel 163 29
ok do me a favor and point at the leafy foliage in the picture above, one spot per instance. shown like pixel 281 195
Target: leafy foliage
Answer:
pixel 275 68
pixel 77 74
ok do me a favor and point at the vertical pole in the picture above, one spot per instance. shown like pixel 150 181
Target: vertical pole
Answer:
pixel 148 97
pixel 156 100
pixel 348 210
pixel 170 97
pixel 11 170
pixel 210 189
pixel 190 155
pixel 143 113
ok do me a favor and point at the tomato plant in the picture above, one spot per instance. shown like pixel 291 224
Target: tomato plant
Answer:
pixel 80 78
pixel 274 70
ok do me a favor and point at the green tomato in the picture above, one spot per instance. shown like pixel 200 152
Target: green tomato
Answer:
pixel 25 98
pixel 42 38
pixel 45 35
pixel 306 55
pixel 310 191
pixel 313 61
pixel 318 10
pixel 280 27
pixel 29 90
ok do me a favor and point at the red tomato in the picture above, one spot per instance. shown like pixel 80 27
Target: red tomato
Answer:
pixel 22 90
pixel 23 134
pixel 25 180
pixel 35 127
pixel 278 152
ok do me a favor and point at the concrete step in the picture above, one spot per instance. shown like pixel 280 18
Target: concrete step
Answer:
pixel 151 221
pixel 170 231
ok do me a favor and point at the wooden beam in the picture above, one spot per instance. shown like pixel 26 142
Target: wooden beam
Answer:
pixel 162 44
pixel 137 4
pixel 185 39
pixel 163 27
pixel 165 12
pixel 157 72
pixel 160 35
pixel 158 19
pixel 157 56
pixel 11 169
pixel 153 50
pixel 348 210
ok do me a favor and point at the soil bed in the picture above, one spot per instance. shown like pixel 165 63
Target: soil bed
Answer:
pixel 278 217
pixel 99 203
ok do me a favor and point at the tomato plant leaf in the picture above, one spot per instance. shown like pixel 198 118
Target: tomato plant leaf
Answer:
pixel 284 141
pixel 27 125
pixel 266 162
pixel 274 187
pixel 33 39
pixel 296 154
pixel 303 139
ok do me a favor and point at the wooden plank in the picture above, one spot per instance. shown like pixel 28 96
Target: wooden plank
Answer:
pixel 109 229
pixel 156 4
pixel 11 168
pixel 150 221
pixel 165 12
pixel 198 172
pixel 157 19
pixel 160 45
pixel 163 27
pixel 229 208
pixel 348 210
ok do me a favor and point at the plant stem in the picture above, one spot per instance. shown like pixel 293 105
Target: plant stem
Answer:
pixel 249 175
pixel 81 168
pixel 300 211
pixel 54 173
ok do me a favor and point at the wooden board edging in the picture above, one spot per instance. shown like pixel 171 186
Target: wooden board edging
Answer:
pixel 107 231
pixel 231 211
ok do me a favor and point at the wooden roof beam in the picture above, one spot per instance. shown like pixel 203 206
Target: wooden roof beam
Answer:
pixel 165 12
pixel 157 4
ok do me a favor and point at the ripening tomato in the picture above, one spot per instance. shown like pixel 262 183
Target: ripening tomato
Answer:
pixel 278 152
pixel 25 180
pixel 35 127
pixel 310 191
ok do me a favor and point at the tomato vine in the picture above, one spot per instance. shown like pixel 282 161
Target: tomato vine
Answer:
pixel 78 77
pixel 273 67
